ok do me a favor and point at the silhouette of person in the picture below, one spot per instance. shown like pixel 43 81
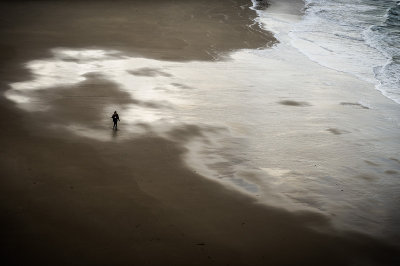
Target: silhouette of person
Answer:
pixel 115 118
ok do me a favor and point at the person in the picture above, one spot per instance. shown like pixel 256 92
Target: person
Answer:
pixel 115 118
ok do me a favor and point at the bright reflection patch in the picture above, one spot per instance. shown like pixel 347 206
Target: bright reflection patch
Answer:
pixel 145 80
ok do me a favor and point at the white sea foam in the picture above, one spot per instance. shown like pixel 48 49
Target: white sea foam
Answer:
pixel 358 37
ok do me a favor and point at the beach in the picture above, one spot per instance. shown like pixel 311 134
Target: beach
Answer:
pixel 236 145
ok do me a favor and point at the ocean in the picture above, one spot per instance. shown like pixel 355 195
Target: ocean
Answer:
pixel 361 37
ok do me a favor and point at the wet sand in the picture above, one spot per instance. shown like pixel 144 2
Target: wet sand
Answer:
pixel 67 199
pixel 71 201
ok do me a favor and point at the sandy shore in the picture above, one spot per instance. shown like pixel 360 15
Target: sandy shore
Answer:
pixel 131 199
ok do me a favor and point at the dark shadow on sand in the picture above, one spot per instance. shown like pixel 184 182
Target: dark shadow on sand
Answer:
pixel 337 131
pixel 354 105
pixel 149 72
pixel 294 103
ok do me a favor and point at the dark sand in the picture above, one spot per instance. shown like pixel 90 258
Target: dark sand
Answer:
pixel 68 200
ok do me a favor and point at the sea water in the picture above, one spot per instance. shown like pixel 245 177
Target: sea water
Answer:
pixel 361 37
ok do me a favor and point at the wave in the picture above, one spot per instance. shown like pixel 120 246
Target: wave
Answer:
pixel 361 37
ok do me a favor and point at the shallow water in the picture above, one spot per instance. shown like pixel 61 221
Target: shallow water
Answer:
pixel 358 37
